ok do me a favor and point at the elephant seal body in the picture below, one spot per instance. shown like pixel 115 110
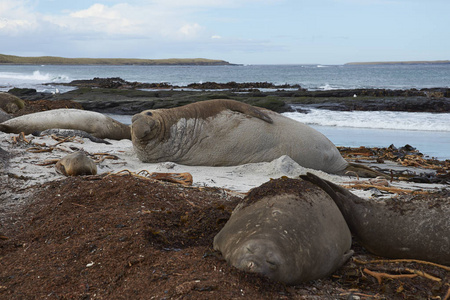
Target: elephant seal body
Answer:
pixel 76 164
pixel 94 123
pixel 288 230
pixel 228 132
pixel 70 133
pixel 4 116
pixel 414 229
pixel 10 103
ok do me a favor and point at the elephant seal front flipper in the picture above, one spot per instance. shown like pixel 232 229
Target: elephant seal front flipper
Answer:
pixel 288 230
pixel 414 229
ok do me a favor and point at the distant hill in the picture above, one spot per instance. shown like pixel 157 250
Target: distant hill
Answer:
pixel 54 60
pixel 401 62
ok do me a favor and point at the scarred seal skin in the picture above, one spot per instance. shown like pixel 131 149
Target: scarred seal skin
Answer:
pixel 94 123
pixel 288 230
pixel 415 229
pixel 76 164
pixel 227 133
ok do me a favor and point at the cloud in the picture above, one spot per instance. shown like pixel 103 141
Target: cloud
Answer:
pixel 137 28
pixel 16 18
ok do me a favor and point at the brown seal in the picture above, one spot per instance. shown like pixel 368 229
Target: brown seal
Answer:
pixel 228 132
pixel 288 230
pixel 76 164
pixel 414 229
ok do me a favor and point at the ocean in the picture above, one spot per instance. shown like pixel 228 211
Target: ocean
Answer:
pixel 428 132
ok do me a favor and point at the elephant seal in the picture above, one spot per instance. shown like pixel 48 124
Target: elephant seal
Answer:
pixel 4 116
pixel 94 123
pixel 10 103
pixel 228 132
pixel 70 133
pixel 414 229
pixel 76 164
pixel 288 230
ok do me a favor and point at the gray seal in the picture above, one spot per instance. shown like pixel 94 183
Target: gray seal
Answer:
pixel 76 164
pixel 288 230
pixel 94 123
pixel 227 133
pixel 414 229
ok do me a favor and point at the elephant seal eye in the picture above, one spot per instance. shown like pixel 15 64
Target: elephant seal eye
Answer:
pixel 149 113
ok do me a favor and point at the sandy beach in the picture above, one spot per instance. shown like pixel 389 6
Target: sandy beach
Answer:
pixel 27 157
pixel 133 237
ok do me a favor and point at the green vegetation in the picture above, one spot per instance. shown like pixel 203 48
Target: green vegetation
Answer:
pixel 54 60
pixel 401 62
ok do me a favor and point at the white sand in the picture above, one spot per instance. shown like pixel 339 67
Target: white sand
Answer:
pixel 238 178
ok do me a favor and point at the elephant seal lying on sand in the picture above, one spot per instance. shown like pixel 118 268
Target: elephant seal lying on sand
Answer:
pixel 76 164
pixel 416 229
pixel 95 123
pixel 288 230
pixel 227 133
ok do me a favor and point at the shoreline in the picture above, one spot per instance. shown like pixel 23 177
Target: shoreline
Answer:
pixel 117 96
pixel 56 60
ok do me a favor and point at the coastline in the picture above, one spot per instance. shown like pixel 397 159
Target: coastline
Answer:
pixel 54 60
pixel 422 62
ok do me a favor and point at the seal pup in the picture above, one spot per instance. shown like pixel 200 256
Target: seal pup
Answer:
pixel 288 230
pixel 94 123
pixel 76 164
pixel 414 229
pixel 227 133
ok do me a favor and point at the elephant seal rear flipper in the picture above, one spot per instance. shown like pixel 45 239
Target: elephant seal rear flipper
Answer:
pixel 413 229
pixel 362 171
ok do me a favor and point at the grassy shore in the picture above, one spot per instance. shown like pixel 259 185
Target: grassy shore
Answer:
pixel 54 60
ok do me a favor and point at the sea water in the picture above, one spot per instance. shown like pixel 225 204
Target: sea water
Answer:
pixel 429 132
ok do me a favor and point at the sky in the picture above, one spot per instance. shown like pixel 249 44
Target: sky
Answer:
pixel 238 31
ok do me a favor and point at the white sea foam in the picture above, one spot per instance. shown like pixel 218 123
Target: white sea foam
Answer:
pixel 34 77
pixel 375 119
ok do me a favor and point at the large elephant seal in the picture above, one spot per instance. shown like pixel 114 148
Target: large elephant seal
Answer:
pixel 76 164
pixel 10 103
pixel 288 230
pixel 417 229
pixel 94 123
pixel 228 132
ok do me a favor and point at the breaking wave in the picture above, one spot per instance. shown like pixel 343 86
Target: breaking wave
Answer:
pixel 375 119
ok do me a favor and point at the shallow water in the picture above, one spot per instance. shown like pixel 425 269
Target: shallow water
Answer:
pixel 431 143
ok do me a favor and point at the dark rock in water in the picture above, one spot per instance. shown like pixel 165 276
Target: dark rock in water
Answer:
pixel 30 94
pixel 22 91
